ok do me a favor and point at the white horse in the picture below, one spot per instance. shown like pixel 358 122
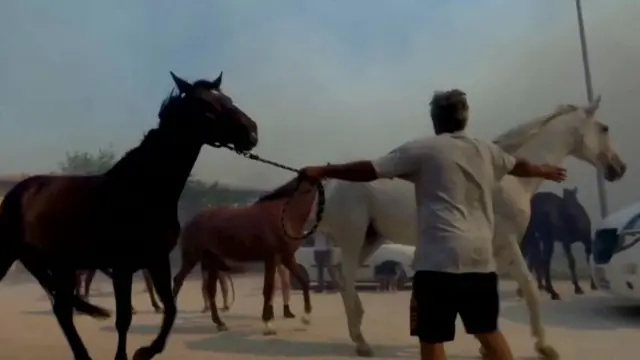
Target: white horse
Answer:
pixel 359 215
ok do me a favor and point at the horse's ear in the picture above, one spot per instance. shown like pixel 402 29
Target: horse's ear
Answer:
pixel 183 85
pixel 593 107
pixel 215 84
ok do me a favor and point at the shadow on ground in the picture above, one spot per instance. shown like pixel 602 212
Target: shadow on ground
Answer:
pixel 589 312
pixel 254 343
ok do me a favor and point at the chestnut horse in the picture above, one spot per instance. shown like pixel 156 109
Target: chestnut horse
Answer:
pixel 124 219
pixel 250 233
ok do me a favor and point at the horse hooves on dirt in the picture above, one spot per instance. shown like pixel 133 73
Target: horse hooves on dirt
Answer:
pixel 222 327
pixel 555 296
pixel 268 330
pixel 364 350
pixel 144 353
pixel 158 310
pixel 547 352
pixel 305 319
pixel 579 291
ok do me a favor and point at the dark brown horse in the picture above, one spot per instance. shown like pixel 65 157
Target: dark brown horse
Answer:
pixel 125 219
pixel 248 234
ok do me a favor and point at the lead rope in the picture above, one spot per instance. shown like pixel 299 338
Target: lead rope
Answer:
pixel 319 189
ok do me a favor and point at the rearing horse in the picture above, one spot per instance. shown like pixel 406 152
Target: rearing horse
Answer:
pixel 125 219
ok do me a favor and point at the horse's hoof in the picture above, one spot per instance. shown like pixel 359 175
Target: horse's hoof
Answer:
pixel 547 352
pixel 144 353
pixel 555 296
pixel 579 291
pixel 268 330
pixel 305 319
pixel 364 350
pixel 158 309
pixel 594 287
pixel 222 327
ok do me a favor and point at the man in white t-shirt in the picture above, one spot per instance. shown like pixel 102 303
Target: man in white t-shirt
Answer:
pixel 455 270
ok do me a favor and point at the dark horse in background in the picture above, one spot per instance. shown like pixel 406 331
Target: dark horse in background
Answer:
pixel 125 219
pixel 556 219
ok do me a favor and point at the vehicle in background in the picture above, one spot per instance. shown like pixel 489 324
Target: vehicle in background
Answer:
pixel 616 253
pixel 389 252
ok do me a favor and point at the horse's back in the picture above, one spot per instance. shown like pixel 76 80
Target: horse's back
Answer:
pixel 238 233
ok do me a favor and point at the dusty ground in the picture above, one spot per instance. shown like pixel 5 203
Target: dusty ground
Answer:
pixel 588 327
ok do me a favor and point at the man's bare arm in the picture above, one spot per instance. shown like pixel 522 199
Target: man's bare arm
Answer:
pixel 525 169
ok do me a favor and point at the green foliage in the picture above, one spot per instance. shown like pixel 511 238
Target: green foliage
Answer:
pixel 85 163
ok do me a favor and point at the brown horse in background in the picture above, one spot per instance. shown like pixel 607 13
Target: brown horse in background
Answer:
pixel 125 219
pixel 248 234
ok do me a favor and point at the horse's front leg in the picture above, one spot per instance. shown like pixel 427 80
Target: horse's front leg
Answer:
pixel 267 294
pixel 122 282
pixel 160 272
pixel 511 260
pixel 65 286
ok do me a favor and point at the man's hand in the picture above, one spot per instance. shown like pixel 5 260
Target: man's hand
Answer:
pixel 553 173
pixel 313 173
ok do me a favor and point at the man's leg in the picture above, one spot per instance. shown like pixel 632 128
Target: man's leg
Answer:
pixel 433 313
pixel 480 317
pixel 320 257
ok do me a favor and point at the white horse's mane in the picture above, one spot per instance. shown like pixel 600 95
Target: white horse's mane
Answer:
pixel 515 138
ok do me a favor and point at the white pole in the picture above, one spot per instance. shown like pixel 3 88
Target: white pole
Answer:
pixel 602 190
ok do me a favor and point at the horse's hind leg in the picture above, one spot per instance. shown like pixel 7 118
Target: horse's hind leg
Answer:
pixel 267 294
pixel 160 272
pixel 566 247
pixel 152 294
pixel 293 267
pixel 122 282
pixel 189 261
pixel 64 282
pixel 211 288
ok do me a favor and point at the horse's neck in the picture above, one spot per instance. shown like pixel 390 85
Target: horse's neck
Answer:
pixel 551 147
pixel 159 167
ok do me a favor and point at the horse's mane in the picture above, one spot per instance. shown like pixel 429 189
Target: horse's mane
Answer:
pixel 135 155
pixel 514 139
pixel 282 191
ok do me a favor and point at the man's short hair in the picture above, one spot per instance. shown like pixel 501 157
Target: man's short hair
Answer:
pixel 447 109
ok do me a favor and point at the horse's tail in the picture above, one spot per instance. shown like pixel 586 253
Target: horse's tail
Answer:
pixel 11 228
pixel 233 289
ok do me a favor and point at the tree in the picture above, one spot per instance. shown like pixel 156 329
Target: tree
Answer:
pixel 86 163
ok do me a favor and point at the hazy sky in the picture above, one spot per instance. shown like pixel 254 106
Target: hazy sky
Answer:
pixel 326 80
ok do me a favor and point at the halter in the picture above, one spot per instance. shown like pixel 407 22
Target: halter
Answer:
pixel 320 188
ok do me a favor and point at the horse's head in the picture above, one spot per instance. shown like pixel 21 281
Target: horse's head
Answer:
pixel 203 112
pixel 593 143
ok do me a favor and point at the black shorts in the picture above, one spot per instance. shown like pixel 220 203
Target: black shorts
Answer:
pixel 439 297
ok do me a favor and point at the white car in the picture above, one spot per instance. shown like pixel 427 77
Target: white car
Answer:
pixel 616 254
pixel 401 255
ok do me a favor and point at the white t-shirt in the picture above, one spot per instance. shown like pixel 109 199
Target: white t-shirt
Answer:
pixel 320 241
pixel 454 177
